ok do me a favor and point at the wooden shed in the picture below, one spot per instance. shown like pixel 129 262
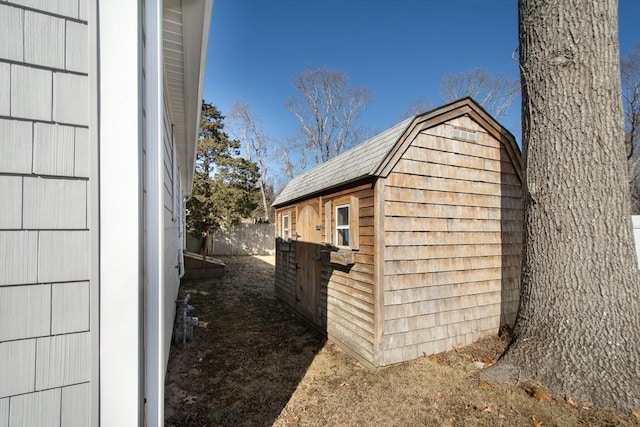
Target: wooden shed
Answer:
pixel 410 243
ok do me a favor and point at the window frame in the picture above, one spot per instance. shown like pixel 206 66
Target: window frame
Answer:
pixel 343 227
pixel 285 231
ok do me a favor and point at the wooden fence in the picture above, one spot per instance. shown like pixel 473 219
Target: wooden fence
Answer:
pixel 243 239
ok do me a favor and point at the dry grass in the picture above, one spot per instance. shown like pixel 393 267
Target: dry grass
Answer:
pixel 252 364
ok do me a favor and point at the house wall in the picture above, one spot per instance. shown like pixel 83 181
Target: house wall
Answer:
pixel 45 214
pixel 453 242
pixel 173 239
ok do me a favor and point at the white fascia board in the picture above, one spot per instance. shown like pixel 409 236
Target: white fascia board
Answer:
pixel 121 293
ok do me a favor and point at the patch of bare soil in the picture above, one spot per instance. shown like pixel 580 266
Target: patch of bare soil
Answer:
pixel 252 363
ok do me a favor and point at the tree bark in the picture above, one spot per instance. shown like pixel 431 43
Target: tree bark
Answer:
pixel 578 324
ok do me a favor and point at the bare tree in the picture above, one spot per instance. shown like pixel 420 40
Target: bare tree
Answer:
pixel 294 156
pixel 329 111
pixel 495 94
pixel 257 144
pixel 630 72
pixel 578 326
pixel 416 106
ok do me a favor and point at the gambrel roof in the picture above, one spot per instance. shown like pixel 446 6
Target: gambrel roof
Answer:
pixel 377 156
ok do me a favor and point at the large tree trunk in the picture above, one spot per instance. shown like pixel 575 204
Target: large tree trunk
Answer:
pixel 578 325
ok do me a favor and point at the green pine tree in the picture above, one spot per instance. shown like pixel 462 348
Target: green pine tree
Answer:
pixel 225 184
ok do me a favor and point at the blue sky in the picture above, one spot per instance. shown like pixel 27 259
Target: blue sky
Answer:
pixel 401 49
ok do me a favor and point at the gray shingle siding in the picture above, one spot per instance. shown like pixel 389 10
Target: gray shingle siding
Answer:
pixel 45 338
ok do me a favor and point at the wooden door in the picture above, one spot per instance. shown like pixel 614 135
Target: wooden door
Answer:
pixel 308 264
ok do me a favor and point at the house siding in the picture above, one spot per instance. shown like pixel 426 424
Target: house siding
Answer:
pixel 45 338
pixel 453 242
pixel 173 241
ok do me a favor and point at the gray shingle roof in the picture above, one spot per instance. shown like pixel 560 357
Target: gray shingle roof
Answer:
pixel 359 162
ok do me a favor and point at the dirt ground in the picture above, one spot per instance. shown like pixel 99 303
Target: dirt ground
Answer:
pixel 251 363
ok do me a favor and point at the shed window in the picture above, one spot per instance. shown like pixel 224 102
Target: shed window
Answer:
pixel 342 226
pixel 285 227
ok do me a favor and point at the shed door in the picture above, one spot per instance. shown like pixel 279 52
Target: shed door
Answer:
pixel 308 263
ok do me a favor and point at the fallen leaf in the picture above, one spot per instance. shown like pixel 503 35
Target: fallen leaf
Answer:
pixel 537 392
pixel 570 401
pixel 190 400
pixel 536 422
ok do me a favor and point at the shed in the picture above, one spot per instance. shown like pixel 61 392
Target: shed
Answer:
pixel 410 243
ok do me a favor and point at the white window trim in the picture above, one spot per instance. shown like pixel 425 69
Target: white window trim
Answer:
pixel 343 227
pixel 287 229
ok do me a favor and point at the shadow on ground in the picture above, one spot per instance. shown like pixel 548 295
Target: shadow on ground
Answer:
pixel 248 353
